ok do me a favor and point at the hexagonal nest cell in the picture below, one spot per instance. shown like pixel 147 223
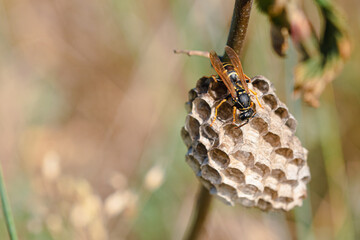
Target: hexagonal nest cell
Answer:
pixel 261 164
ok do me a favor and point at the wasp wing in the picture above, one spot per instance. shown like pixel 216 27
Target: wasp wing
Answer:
pixel 219 68
pixel 235 61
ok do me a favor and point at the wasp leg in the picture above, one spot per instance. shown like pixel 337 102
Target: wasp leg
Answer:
pixel 234 112
pixel 216 110
pixel 257 99
pixel 193 53
pixel 213 77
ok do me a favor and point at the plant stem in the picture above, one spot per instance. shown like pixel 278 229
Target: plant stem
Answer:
pixel 200 213
pixel 6 209
pixel 239 25
pixel 290 220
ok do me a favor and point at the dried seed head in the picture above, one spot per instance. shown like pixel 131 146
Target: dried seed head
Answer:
pixel 261 164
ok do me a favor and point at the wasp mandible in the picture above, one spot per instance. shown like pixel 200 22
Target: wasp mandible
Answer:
pixel 232 75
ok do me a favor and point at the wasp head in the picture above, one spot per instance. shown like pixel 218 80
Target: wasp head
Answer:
pixel 247 114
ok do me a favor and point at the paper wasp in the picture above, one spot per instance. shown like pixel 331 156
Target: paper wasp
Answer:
pixel 232 75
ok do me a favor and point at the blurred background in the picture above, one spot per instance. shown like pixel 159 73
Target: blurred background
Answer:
pixel 91 107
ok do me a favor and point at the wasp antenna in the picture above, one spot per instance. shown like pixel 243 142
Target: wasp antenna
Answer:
pixel 193 53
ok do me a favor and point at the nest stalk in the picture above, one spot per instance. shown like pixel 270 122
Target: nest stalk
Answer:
pixel 236 38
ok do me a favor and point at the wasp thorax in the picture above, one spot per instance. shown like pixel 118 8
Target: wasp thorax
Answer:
pixel 244 100
pixel 260 164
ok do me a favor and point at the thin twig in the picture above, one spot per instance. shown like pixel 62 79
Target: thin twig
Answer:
pixel 200 213
pixel 193 53
pixel 290 220
pixel 239 25
pixel 6 209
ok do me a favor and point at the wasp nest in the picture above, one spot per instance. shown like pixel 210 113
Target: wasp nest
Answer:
pixel 261 164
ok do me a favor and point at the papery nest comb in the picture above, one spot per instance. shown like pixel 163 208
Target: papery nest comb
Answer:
pixel 261 164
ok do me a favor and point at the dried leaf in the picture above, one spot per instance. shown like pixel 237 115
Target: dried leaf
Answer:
pixel 279 39
pixel 321 60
